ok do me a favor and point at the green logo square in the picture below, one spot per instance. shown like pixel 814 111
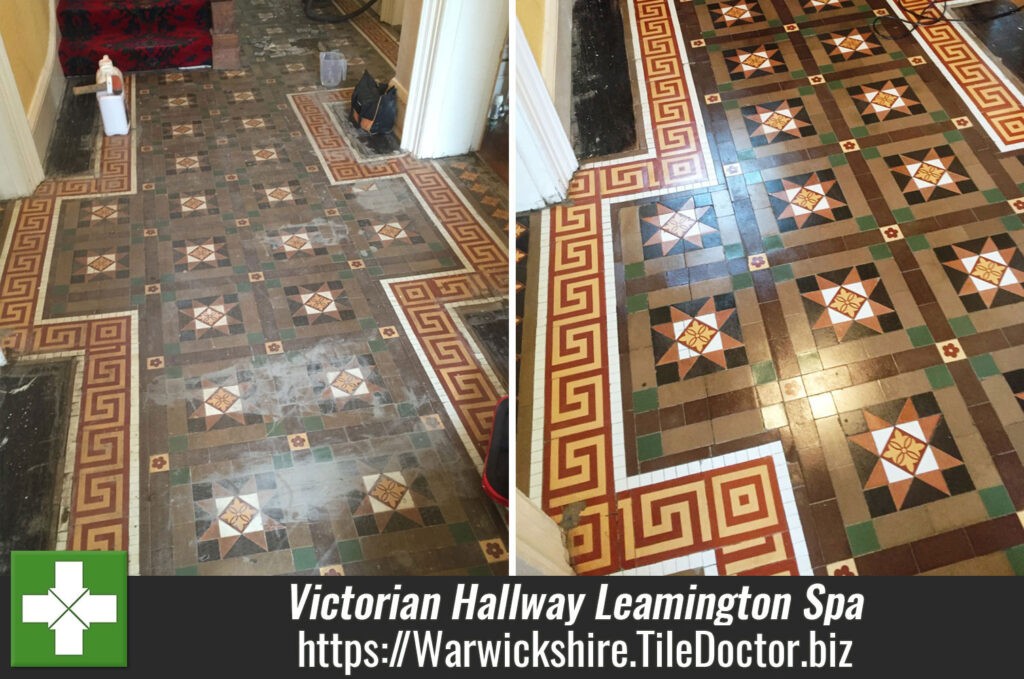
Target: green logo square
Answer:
pixel 69 609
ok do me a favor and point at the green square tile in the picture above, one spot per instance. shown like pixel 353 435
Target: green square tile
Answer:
pixel 420 439
pixel 313 423
pixel 953 135
pixel 180 476
pixel 863 538
pixel 800 18
pixel 172 349
pixel 962 326
pixel 918 243
pixel 322 454
pixel 880 251
pixel 725 87
pixel 746 154
pixel 288 334
pixel 774 23
pixel 780 37
pixel 177 444
pixel 730 104
pixel 715 47
pixel 920 336
pixel 275 429
pixel 867 223
pixel 241 269
pixel 828 138
pixel 367 323
pixel 870 152
pixel 134 300
pixel 835 84
pixel 707 34
pixel 634 270
pixel 938 376
pixel 283 461
pixel 1013 222
pixel 350 550
pixel 994 196
pixel 838 160
pixel 1015 555
pixel 255 338
pixel 798 74
pixel 827 68
pixel 753 177
pixel 807 32
pixel 742 280
pixel 997 501
pixel 406 409
pixel 187 570
pixel 939 116
pixel 346 273
pixel 809 363
pixel 859 132
pixel 304 558
pixel 645 400
pixel 806 91
pixel 461 532
pixel 636 303
pixel 763 372
pixel 984 366
pixel 173 372
pixel 377 345
pixel 773 243
pixel 648 447
pixel 734 251
pixel 783 272
pixel 903 215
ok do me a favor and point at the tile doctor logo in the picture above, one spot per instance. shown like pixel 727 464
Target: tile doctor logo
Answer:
pixel 69 609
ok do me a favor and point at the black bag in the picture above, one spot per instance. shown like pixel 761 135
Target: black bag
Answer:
pixel 374 105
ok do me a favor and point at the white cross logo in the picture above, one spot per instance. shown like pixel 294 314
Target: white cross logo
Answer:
pixel 68 608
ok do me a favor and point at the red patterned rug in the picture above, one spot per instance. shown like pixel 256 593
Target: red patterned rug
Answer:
pixel 139 35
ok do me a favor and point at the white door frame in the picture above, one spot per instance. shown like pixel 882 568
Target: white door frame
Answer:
pixel 545 161
pixel 21 170
pixel 458 52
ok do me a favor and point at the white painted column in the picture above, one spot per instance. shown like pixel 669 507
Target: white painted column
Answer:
pixel 20 167
pixel 454 66
pixel 545 161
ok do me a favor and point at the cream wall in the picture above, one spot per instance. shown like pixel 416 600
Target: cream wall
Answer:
pixel 547 25
pixel 25 26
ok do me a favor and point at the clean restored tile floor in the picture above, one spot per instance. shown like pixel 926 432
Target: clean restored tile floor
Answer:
pixel 853 288
pixel 284 425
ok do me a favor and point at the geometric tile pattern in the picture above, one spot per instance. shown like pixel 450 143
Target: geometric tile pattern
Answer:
pixel 727 14
pixel 752 62
pixel 885 100
pixel 696 338
pixel 986 272
pixel 906 456
pixel 854 44
pixel 233 522
pixel 296 240
pixel 847 304
pixel 209 253
pixel 807 200
pixel 929 174
pixel 347 385
pixel 673 226
pixel 311 304
pixel 210 317
pixel 777 121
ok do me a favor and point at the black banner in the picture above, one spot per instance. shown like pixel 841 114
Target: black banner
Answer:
pixel 504 627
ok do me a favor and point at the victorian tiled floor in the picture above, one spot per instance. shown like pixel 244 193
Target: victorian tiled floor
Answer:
pixel 840 289
pixel 285 412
